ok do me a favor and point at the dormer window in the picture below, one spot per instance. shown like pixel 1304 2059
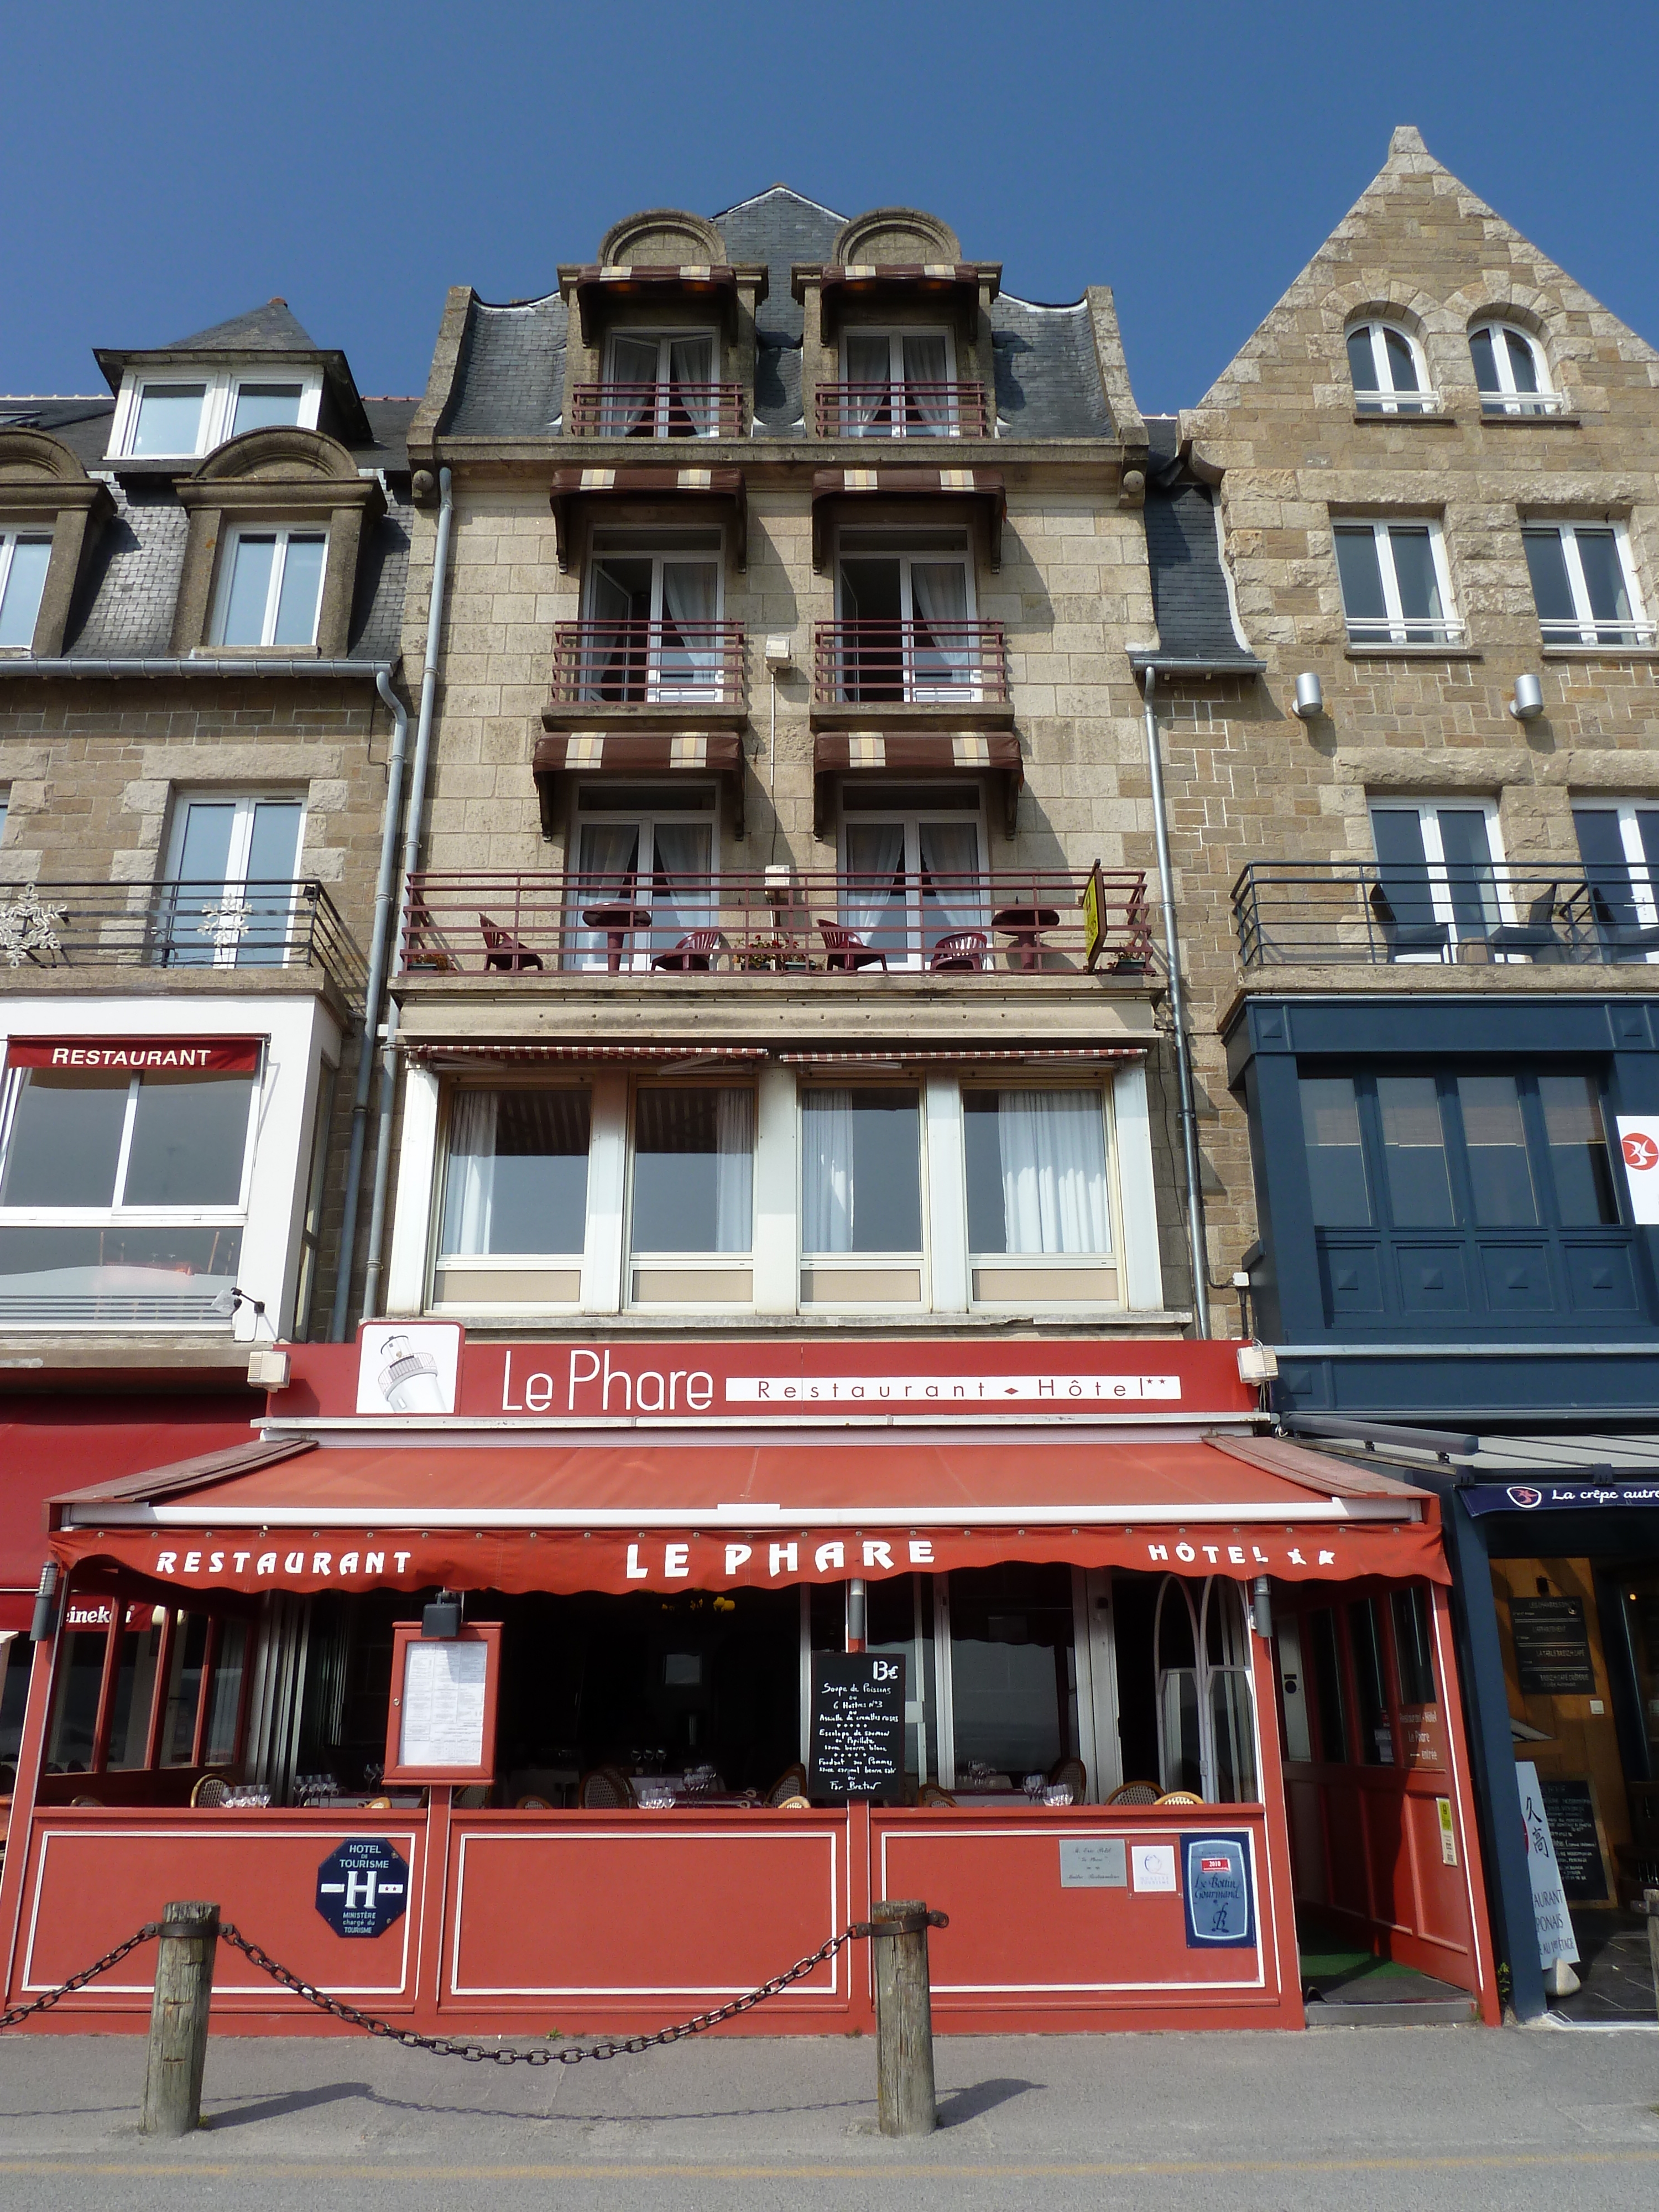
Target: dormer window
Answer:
pixel 1390 376
pixel 266 407
pixel 270 587
pixel 167 420
pixel 179 415
pixel 25 556
pixel 1509 369
pixel 899 384
pixel 660 385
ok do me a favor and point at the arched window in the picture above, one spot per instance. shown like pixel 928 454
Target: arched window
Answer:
pixel 1511 371
pixel 1390 376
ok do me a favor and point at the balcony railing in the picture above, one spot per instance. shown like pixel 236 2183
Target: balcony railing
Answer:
pixel 874 663
pixel 901 410
pixel 773 923
pixel 1349 915
pixel 1409 629
pixel 1523 403
pixel 180 925
pixel 1396 402
pixel 659 410
pixel 1611 631
pixel 649 663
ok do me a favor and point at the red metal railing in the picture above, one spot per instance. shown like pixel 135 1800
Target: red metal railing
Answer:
pixel 865 662
pixel 659 410
pixel 901 410
pixel 826 925
pixel 641 662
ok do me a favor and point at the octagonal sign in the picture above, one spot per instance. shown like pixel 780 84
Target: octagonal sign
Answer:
pixel 362 1886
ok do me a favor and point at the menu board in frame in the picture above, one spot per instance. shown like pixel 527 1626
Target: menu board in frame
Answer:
pixel 440 1726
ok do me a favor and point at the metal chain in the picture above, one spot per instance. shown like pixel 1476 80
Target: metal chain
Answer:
pixel 79 1981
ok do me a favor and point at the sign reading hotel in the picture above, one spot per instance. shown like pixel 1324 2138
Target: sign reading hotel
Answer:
pixel 416 1369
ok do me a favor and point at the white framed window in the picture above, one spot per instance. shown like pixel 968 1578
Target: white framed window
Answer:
pixel 654 604
pixel 511 1220
pixel 123 1197
pixel 861 1156
pixel 691 1196
pixel 1583 584
pixel 1395 586
pixel 1618 844
pixel 228 898
pixel 175 414
pixel 905 600
pixel 1510 372
pixel 1438 869
pixel 644 877
pixel 1390 376
pixel 1037 1165
pixel 25 557
pixel 661 383
pixel 899 384
pixel 271 587
pixel 913 867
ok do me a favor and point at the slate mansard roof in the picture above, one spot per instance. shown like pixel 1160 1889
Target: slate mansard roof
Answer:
pixel 510 378
pixel 1191 601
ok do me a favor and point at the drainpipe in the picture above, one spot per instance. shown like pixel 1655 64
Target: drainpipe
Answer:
pixel 412 827
pixel 379 945
pixel 1200 1264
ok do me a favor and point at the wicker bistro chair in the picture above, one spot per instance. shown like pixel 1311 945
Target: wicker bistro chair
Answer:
pixel 1180 1797
pixel 534 1804
pixel 845 951
pixel 1073 1773
pixel 1135 1793
pixel 791 1783
pixel 694 955
pixel 211 1790
pixel 962 952
pixel 931 1794
pixel 606 1789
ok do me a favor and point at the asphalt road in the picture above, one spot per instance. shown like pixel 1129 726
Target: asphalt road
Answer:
pixel 1465 2117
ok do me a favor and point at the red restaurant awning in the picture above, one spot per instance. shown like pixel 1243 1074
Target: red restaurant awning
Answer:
pixel 647 1516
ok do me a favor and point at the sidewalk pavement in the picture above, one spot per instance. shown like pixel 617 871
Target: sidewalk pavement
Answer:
pixel 1384 2118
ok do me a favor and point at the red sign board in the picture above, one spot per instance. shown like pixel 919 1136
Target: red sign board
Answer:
pixel 134 1055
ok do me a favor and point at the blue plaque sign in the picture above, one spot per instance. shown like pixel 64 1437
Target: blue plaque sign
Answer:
pixel 362 1888
pixel 1220 1905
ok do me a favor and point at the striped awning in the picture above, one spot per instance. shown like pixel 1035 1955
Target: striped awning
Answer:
pixel 632 753
pixel 570 485
pixel 440 1052
pixel 956 1055
pixel 914 752
pixel 712 283
pixel 955 283
pixel 984 486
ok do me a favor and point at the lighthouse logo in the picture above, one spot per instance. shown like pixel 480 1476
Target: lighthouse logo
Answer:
pixel 408 1367
pixel 1639 1148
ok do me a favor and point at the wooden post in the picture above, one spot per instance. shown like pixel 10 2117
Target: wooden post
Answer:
pixel 904 2023
pixel 1651 1899
pixel 179 2020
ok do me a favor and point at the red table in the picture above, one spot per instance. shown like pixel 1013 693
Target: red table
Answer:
pixel 617 921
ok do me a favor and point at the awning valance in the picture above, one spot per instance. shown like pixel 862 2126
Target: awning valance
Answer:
pixel 634 753
pixel 984 487
pixel 599 284
pixel 570 486
pixel 914 752
pixel 957 285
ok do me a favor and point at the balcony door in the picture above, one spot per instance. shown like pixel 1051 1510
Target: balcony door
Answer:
pixel 653 609
pixel 899 384
pixel 1618 844
pixel 228 898
pixel 660 385
pixel 905 601
pixel 645 863
pixel 1436 865
pixel 913 868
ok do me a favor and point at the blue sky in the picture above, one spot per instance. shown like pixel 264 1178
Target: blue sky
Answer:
pixel 167 165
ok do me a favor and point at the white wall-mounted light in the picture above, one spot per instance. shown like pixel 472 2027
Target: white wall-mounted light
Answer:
pixel 1527 703
pixel 1309 695
pixel 778 654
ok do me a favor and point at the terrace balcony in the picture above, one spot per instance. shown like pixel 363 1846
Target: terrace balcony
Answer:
pixel 1343 914
pixel 659 410
pixel 901 409
pixel 636 663
pixel 916 663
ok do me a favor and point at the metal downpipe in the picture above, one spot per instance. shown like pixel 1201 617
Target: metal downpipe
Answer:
pixel 1198 1256
pixel 375 993
pixel 413 822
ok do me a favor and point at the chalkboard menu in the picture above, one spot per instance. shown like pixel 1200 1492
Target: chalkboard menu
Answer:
pixel 1570 1811
pixel 858 1725
pixel 1552 1647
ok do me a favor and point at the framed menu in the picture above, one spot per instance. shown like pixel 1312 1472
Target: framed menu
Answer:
pixel 440 1726
pixel 858 1725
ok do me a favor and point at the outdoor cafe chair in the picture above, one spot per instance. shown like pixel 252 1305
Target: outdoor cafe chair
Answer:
pixel 1135 1793
pixel 1401 937
pixel 960 953
pixel 845 951
pixel 693 955
pixel 502 950
pixel 605 1789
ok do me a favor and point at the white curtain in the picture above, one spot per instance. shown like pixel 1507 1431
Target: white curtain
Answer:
pixel 1052 1145
pixel 938 595
pixel 470 1193
pixel 607 866
pixel 610 671
pixel 682 883
pixel 928 413
pixel 951 850
pixel 631 414
pixel 867 412
pixel 828 1147
pixel 734 1169
pixel 691 379
pixel 875 860
pixel 690 657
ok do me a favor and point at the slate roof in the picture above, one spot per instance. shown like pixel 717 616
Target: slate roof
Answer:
pixel 510 378
pixel 1190 597
pixel 269 328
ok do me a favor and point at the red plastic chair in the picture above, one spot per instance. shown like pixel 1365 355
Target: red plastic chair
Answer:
pixel 693 955
pixel 961 953
pixel 502 950
pixel 845 951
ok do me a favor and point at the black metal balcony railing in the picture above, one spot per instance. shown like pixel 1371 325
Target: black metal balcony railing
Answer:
pixel 659 410
pixel 1358 913
pixel 645 663
pixel 901 409
pixel 775 922
pixel 870 663
pixel 178 925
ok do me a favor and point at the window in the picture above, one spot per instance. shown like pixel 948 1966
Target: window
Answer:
pixel 645 872
pixel 693 1190
pixel 1336 1158
pixel 1036 1172
pixel 265 407
pixel 662 384
pixel 653 607
pixel 1435 874
pixel 25 557
pixel 177 1682
pixel 1388 375
pixel 271 587
pixel 1413 1646
pixel 121 1195
pixel 1510 371
pixel 1365 1641
pixel 899 384
pixel 1618 844
pixel 1206 1706
pixel 228 900
pixel 912 859
pixel 1395 588
pixel 1582 585
pixel 906 603
pixel 517 1178
pixel 176 417
pixel 862 1171
pixel 167 420
pixel 1013 1673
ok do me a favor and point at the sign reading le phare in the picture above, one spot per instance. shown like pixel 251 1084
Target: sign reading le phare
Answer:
pixel 416 1369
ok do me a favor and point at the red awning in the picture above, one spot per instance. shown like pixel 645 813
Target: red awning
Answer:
pixel 647 1516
